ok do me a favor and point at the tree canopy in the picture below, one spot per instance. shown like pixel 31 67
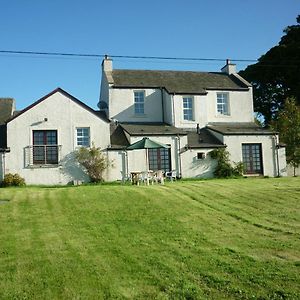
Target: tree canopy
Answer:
pixel 276 75
pixel 288 125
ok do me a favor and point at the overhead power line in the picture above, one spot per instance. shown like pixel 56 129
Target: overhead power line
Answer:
pixel 122 56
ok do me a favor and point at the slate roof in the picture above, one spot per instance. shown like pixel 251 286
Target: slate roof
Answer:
pixel 118 138
pixel 119 134
pixel 203 140
pixel 7 106
pixel 151 129
pixel 239 129
pixel 177 82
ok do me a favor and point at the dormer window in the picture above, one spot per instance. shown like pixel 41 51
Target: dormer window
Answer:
pixel 188 113
pixel 223 104
pixel 139 102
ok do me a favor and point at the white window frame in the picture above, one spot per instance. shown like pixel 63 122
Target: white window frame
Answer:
pixel 223 107
pixel 139 102
pixel 85 139
pixel 188 110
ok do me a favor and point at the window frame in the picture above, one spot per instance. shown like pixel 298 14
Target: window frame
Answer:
pixel 189 109
pixel 252 158
pixel 45 149
pixel 225 105
pixel 87 145
pixel 159 159
pixel 139 106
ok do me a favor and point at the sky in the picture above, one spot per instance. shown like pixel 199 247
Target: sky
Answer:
pixel 234 29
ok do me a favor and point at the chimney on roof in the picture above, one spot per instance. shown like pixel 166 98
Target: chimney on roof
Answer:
pixel 229 68
pixel 107 64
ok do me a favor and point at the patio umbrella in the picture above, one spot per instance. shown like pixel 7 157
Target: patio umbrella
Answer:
pixel 146 143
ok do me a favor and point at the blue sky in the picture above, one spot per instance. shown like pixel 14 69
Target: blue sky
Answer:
pixel 233 29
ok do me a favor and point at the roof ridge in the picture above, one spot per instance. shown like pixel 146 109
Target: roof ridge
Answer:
pixel 174 71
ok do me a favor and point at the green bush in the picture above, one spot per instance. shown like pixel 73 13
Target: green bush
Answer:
pixel 224 169
pixel 12 180
pixel 94 161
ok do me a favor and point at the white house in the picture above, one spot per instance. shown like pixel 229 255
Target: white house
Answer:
pixel 192 112
pixel 42 138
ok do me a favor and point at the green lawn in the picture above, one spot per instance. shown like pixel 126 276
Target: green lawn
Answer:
pixel 211 239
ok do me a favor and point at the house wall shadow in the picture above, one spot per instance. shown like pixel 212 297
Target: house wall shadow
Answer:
pixel 153 111
pixel 72 169
pixel 204 167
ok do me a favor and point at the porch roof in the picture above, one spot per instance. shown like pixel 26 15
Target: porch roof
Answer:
pixel 203 139
pixel 240 129
pixel 144 129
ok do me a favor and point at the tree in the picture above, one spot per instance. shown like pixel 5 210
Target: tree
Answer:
pixel 94 162
pixel 276 75
pixel 288 125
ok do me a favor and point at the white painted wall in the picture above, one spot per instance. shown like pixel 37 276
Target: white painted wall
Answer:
pixel 205 109
pixel 200 111
pixel 121 105
pixel 240 106
pixel 290 171
pixel 269 156
pixel 200 168
pixel 63 115
pixel 104 92
pixel 168 108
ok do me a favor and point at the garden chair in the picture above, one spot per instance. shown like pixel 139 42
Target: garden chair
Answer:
pixel 171 175
pixel 159 177
pixel 146 177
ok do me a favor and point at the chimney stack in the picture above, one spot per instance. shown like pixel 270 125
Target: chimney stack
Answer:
pixel 107 64
pixel 229 68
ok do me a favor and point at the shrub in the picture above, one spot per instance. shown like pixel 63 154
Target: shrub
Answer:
pixel 224 169
pixel 93 161
pixel 12 180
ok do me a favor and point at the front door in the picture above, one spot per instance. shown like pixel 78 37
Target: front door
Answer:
pixel 252 158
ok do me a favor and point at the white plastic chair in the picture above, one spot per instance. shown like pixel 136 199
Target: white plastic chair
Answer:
pixel 146 177
pixel 159 177
pixel 171 175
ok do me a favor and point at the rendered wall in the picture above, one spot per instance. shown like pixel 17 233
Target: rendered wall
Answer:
pixel 205 109
pixel 240 106
pixel 63 115
pixel 199 168
pixel 121 105
pixel 269 155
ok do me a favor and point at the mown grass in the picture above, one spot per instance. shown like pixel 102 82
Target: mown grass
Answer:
pixel 213 239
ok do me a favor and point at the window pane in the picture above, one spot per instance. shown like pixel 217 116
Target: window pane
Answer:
pixel 139 98
pixel 159 159
pixel 45 148
pixel 252 158
pixel 222 104
pixel 188 108
pixel 83 137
